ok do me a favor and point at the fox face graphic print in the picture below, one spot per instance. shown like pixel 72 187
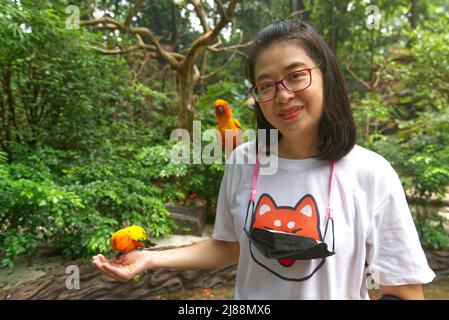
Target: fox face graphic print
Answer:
pixel 288 233
pixel 301 220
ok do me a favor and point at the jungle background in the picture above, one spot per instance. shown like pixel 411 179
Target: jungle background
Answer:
pixel 87 107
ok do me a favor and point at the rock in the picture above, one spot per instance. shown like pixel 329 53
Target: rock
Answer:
pixel 438 261
pixel 190 219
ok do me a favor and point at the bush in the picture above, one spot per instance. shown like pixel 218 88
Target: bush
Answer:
pixel 33 208
pixel 78 211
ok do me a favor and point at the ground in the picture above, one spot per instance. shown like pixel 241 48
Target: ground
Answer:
pixel 46 264
pixel 438 290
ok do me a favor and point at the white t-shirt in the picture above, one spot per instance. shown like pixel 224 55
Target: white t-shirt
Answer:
pixel 372 224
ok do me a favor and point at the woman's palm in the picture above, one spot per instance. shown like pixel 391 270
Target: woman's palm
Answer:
pixel 124 267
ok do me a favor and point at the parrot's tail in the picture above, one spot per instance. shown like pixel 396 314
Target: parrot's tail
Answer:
pixel 148 243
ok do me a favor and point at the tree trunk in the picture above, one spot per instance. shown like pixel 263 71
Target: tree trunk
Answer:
pixel 414 14
pixel 185 94
pixel 3 129
pixel 9 108
pixel 183 64
pixel 297 5
pixel 175 32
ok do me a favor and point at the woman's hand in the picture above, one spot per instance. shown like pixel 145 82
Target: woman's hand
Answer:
pixel 126 266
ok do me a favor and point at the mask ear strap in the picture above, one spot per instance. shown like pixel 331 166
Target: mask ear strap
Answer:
pixel 246 218
pixel 252 195
pixel 333 233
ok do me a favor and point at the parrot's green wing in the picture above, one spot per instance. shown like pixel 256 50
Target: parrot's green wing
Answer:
pixel 145 239
pixel 237 123
pixel 148 243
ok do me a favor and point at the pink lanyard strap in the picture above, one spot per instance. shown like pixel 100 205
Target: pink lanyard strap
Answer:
pixel 331 180
pixel 254 182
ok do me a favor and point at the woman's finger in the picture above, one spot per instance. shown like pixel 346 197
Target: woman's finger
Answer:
pixel 101 266
pixel 102 257
pixel 96 262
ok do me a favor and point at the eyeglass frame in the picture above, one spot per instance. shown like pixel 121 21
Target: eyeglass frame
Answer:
pixel 276 83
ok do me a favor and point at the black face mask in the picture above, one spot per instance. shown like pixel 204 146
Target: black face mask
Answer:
pixel 284 246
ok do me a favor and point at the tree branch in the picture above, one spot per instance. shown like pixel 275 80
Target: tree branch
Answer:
pixel 137 31
pixel 199 10
pixel 296 13
pixel 134 10
pixel 105 22
pixel 230 48
pixel 167 56
pixel 219 69
pixel 234 48
pixel 215 45
pixel 228 61
pixel 142 67
pixel 116 50
pixel 225 17
pixel 153 48
pixel 220 7
pixel 211 35
pixel 363 82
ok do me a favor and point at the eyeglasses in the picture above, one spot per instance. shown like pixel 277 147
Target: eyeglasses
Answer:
pixel 293 82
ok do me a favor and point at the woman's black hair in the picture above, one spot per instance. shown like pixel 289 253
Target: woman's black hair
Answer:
pixel 337 129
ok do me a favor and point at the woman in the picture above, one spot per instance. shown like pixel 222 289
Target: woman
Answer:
pixel 331 209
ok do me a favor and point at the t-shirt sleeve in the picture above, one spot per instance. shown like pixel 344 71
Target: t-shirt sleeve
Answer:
pixel 224 228
pixel 394 251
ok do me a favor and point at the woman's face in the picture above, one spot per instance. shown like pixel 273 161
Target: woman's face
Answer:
pixel 298 114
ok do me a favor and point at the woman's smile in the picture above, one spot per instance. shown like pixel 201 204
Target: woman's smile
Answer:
pixel 289 113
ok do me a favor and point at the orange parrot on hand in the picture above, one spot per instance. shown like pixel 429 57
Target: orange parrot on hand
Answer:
pixel 130 238
pixel 226 123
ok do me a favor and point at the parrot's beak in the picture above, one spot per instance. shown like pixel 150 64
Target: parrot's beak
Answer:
pixel 220 110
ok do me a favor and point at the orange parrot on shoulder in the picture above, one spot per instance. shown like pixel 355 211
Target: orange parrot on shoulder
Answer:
pixel 226 123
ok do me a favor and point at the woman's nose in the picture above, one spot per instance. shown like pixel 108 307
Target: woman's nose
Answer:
pixel 283 95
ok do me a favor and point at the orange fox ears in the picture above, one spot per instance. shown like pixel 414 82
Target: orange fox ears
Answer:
pixel 266 204
pixel 305 205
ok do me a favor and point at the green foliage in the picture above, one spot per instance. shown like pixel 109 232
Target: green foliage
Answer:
pixel 157 162
pixel 79 210
pixel 3 157
pixel 61 87
pixel 434 237
pixel 81 169
pixel 432 227
pixel 33 206
pixel 407 120
pixel 417 114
